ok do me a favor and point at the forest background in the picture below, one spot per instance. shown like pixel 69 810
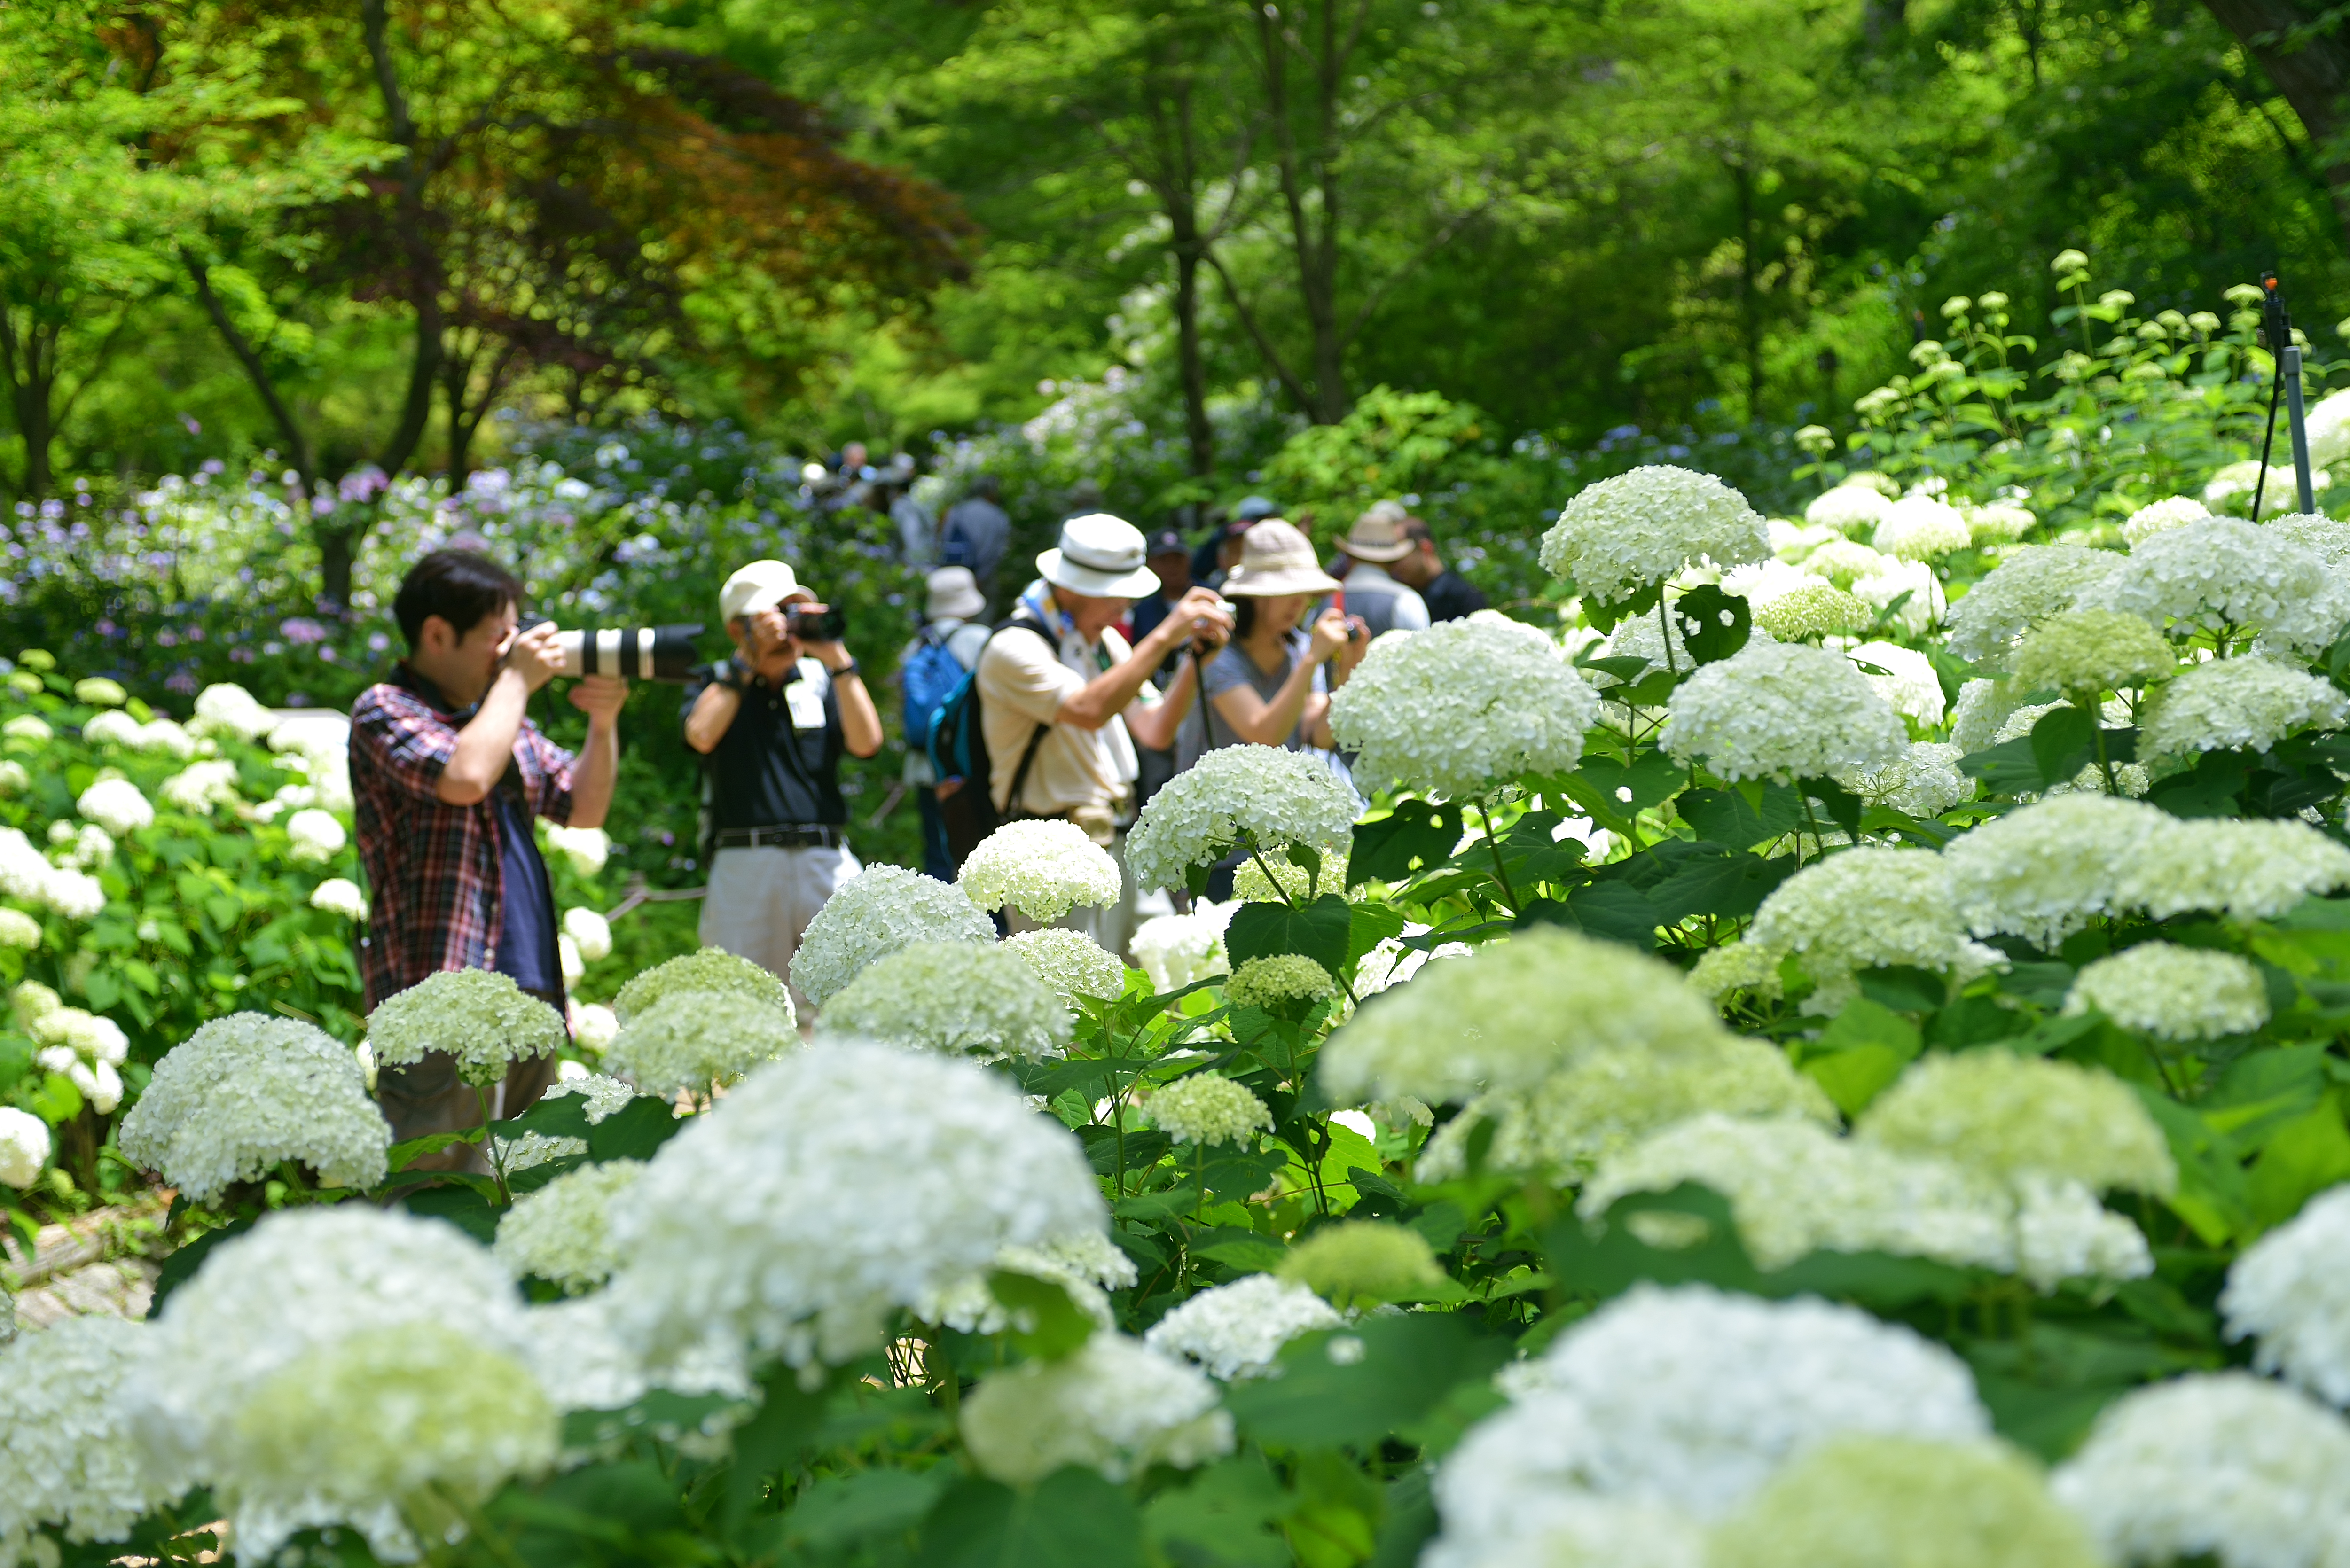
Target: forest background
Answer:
pixel 290 291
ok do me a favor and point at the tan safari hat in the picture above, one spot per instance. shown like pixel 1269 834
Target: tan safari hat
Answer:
pixel 1276 559
pixel 1379 535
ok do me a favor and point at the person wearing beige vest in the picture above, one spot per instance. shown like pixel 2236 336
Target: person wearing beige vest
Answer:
pixel 1061 665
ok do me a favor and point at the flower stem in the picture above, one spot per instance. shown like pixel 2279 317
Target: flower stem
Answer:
pixel 1500 871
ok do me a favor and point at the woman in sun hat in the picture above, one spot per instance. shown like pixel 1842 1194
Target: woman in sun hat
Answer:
pixel 1268 686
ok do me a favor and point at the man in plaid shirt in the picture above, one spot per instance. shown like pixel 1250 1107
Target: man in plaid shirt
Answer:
pixel 447 772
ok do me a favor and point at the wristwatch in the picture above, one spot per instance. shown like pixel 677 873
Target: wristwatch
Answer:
pixel 851 668
pixel 733 674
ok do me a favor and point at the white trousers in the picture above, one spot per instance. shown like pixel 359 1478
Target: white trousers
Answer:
pixel 761 899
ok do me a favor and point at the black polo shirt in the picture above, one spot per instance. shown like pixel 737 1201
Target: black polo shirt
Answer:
pixel 778 764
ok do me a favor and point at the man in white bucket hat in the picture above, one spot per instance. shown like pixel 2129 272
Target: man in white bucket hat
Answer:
pixel 1064 698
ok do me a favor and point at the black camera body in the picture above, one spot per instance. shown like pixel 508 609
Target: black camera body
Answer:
pixel 828 625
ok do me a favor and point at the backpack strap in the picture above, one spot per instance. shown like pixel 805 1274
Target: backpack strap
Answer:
pixel 1020 774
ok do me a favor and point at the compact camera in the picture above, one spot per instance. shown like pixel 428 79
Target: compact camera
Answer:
pixel 817 625
pixel 663 653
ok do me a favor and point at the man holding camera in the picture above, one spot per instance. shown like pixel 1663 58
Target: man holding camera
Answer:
pixel 447 772
pixel 771 723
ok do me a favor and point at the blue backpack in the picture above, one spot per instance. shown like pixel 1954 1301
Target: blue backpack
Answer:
pixel 929 678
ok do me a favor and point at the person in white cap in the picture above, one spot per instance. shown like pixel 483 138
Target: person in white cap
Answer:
pixel 1379 541
pixel 1064 698
pixel 1271 685
pixel 771 723
pixel 930 669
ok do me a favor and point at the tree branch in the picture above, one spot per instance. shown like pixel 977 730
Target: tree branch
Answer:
pixel 297 444
pixel 1289 381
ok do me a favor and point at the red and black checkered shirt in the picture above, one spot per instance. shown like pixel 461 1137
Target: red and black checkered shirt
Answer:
pixel 436 885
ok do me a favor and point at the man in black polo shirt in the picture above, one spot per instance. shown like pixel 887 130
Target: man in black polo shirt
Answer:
pixel 771 723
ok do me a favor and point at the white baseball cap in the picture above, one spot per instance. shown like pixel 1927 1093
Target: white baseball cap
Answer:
pixel 761 585
pixel 1100 557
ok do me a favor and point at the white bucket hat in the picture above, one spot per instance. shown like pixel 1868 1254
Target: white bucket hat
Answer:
pixel 1100 557
pixel 1276 559
pixel 953 593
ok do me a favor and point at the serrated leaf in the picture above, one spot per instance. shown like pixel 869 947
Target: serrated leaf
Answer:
pixel 1714 624
pixel 1318 930
pixel 1416 835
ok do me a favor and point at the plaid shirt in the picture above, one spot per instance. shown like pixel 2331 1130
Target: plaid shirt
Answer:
pixel 436 881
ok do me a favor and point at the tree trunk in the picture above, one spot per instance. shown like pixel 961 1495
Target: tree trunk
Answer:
pixel 1750 311
pixel 1314 248
pixel 337 549
pixel 1196 430
pixel 298 443
pixel 2311 70
pixel 29 365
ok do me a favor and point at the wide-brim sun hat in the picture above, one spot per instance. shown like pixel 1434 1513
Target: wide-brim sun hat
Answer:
pixel 1379 537
pixel 953 593
pixel 1100 557
pixel 1276 559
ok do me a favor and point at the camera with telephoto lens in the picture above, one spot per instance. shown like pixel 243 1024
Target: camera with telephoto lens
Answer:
pixel 663 653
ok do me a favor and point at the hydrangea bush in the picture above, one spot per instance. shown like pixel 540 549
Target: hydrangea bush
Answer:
pixel 1834 1086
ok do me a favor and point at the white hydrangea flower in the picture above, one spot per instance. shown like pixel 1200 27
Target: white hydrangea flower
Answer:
pixel 951 997
pixel 871 916
pixel 1908 683
pixel 1861 908
pixel 198 788
pixel 1844 562
pixel 14 779
pixel 339 896
pixel 2171 512
pixel 1637 529
pixel 1809 611
pixel 1610 1098
pixel 2000 523
pixel 110 727
pixel 1087 1264
pixel 2173 993
pixel 116 806
pixel 2252 870
pixel 2215 1465
pixel 604 1096
pixel 160 734
pixel 1208 1109
pixel 587 848
pixel 315 836
pixel 1850 508
pixel 707 969
pixel 1177 951
pixel 2246 703
pixel 1783 711
pixel 27 727
pixel 1071 962
pixel 2289 1292
pixel 225 708
pixel 1234 1332
pixel 19 930
pixel 1923 781
pixel 243 1092
pixel 1684 1400
pixel 1114 1406
pixel 1797 1187
pixel 26 874
pixel 481 1018
pixel 829 1188
pixel 1257 793
pixel 1913 586
pixel 68 1459
pixel 416 1422
pixel 99 691
pixel 2316 532
pixel 690 1039
pixel 1920 527
pixel 2044 871
pixel 596 1028
pixel 2224 575
pixel 91 847
pixel 2008 1116
pixel 591 931
pixel 1981 710
pixel 2233 485
pixel 562 1232
pixel 1510 1014
pixel 2025 588
pixel 1462 705
pixel 304 1279
pixel 1043 869
pixel 25 1146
